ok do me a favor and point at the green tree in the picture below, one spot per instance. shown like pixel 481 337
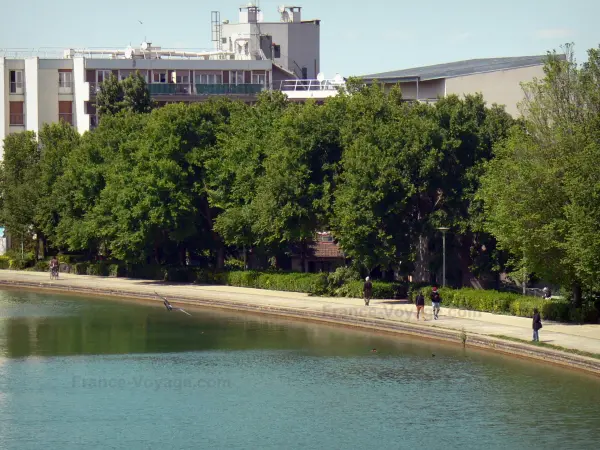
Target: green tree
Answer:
pixel 57 141
pixel 540 192
pixel 383 140
pixel 293 197
pixel 130 94
pixel 234 173
pixel 19 183
pixel 154 205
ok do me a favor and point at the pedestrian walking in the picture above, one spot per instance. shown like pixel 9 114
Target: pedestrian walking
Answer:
pixel 420 302
pixel 367 290
pixel 435 302
pixel 537 325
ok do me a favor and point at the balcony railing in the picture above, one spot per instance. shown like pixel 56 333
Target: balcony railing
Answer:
pixel 66 117
pixel 310 85
pixel 17 120
pixel 205 89
pixel 16 87
pixel 243 89
pixel 65 87
pixel 194 89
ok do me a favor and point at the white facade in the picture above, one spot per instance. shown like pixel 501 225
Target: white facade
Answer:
pixel 251 56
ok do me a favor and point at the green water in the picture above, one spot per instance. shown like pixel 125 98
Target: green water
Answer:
pixel 81 373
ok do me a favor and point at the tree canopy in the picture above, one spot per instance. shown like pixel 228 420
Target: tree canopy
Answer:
pixel 199 181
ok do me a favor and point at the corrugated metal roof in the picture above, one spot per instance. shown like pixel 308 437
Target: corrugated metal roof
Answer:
pixel 461 68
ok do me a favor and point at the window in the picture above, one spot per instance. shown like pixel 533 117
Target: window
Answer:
pixel 324 237
pixel 159 77
pixel 65 80
pixel 236 77
pixel 103 75
pixel 277 51
pixel 259 78
pixel 209 78
pixel 16 114
pixel 304 73
pixel 16 81
pixel 224 40
pixel 65 112
pixel 182 79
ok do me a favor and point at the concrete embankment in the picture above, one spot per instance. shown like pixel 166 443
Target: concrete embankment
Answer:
pixel 470 328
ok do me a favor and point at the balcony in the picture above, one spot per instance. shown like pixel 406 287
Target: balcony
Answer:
pixel 194 89
pixel 17 120
pixel 205 89
pixel 240 89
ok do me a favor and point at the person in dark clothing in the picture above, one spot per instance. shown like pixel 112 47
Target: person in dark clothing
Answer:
pixel 537 325
pixel 420 302
pixel 435 302
pixel 367 290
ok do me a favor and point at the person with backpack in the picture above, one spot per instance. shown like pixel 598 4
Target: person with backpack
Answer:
pixel 537 325
pixel 435 302
pixel 420 302
pixel 367 290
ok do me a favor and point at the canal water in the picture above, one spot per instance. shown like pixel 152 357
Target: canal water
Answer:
pixel 87 373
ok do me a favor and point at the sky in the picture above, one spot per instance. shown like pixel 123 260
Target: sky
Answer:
pixel 356 38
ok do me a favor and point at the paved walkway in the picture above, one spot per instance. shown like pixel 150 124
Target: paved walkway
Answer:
pixel 580 337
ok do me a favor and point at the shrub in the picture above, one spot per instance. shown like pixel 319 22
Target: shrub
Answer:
pixel 116 270
pixel 4 262
pixel 204 276
pixel 19 264
pixel 310 283
pixel 80 268
pixel 98 269
pixel 341 276
pixel 179 274
pixel 513 304
pixel 70 259
pixel 41 266
pixel 381 290
pixel 146 271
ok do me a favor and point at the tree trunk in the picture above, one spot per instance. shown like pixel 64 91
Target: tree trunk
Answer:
pixel 221 256
pixel 577 296
pixel 303 255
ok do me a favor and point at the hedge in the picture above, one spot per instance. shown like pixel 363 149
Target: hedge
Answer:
pixel 513 304
pixel 381 290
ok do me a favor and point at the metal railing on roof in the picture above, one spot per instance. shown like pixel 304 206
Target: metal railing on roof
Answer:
pixel 310 85
pixel 41 52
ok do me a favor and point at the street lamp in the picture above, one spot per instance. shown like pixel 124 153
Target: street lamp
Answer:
pixel 443 230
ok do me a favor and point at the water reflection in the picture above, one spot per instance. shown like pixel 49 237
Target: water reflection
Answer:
pixel 265 383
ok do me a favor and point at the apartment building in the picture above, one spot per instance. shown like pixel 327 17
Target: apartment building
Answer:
pixel 247 58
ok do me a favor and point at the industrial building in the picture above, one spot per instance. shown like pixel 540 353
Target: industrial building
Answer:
pixel 247 57
pixel 497 79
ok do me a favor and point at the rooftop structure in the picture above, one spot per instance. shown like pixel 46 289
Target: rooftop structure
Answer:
pixel 48 84
pixel 498 79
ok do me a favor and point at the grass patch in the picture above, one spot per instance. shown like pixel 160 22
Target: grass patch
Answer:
pixel 546 345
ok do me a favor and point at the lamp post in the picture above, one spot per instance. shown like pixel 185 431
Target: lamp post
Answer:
pixel 443 230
